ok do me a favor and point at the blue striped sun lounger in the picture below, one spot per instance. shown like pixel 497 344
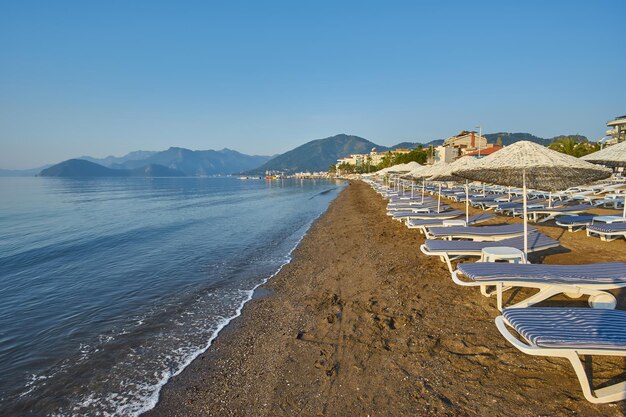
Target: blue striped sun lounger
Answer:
pixel 415 213
pixel 576 280
pixel 480 234
pixel 422 224
pixel 444 215
pixel 607 232
pixel 574 222
pixel 569 333
pixel 450 250
pixel 544 214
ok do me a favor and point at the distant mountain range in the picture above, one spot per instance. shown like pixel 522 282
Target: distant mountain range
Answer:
pixel 316 155
pixel 111 160
pixel 171 162
pixel 198 163
pixel 83 168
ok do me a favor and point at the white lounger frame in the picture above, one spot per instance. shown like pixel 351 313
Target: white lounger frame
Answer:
pixel 607 236
pixel 445 257
pixel 474 237
pixel 598 296
pixel 534 215
pixel 616 392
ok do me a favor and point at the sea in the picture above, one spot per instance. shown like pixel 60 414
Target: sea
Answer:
pixel 109 287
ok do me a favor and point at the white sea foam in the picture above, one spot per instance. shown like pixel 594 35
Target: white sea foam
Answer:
pixel 152 400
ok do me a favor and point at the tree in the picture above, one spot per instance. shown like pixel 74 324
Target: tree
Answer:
pixel 574 146
pixel 499 141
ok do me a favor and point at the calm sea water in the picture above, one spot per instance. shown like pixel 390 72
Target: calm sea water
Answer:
pixel 109 287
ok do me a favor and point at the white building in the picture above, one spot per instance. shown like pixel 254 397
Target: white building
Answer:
pixel 617 129
pixel 445 154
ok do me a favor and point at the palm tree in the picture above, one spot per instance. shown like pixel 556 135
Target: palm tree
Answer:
pixel 571 146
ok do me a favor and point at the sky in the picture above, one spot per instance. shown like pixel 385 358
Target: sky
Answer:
pixel 262 77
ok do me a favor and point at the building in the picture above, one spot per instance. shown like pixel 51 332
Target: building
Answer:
pixel 444 153
pixel 617 129
pixel 466 140
pixel 488 150
pixel 372 158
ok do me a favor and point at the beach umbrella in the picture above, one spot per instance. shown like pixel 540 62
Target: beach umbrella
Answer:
pixel 447 174
pixel 527 164
pixel 422 173
pixel 431 171
pixel 611 156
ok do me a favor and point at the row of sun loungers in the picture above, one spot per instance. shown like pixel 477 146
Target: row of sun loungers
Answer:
pixel 556 332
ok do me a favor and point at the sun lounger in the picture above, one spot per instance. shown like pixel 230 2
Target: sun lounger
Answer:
pixel 579 222
pixel 540 215
pixel 607 232
pixel 450 250
pixel 573 280
pixel 478 234
pixel 444 215
pixel 569 333
pixel 414 214
pixel 422 224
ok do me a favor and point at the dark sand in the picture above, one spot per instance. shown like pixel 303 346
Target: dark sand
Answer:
pixel 361 323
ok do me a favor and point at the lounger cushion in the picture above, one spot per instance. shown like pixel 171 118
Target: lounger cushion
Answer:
pixel 506 229
pixel 609 272
pixel 608 227
pixel 452 213
pixel 575 220
pixel 435 222
pixel 576 328
pixel 565 209
pixel 536 241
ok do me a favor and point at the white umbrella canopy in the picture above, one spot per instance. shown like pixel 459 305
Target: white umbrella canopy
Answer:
pixel 612 156
pixel 527 164
pixel 544 168
pixel 446 173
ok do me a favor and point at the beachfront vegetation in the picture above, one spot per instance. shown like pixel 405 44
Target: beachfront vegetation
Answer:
pixel 574 146
pixel 419 154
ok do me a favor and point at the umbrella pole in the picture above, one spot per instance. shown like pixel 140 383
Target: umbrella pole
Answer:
pixel 625 206
pixel 412 189
pixel 525 216
pixel 439 198
pixel 466 203
pixel 423 188
pixel 550 200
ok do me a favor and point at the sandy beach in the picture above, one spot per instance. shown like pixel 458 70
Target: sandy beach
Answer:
pixel 361 323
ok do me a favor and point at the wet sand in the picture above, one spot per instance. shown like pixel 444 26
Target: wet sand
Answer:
pixel 362 323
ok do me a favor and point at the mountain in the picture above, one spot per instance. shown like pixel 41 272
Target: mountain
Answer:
pixel 318 155
pixel 111 160
pixel 199 163
pixel 82 168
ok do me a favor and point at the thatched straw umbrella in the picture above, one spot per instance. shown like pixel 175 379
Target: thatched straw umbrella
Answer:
pixel 611 156
pixel 540 168
pixel 447 174
pixel 422 173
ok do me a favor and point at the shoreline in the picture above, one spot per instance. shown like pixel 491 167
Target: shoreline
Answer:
pixel 359 322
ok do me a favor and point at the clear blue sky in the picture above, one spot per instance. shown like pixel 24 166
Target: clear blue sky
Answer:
pixel 109 77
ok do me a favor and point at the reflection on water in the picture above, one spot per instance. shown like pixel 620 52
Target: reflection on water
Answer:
pixel 110 286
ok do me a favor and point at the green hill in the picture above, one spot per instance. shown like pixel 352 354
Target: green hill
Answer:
pixel 319 154
pixel 199 163
pixel 80 168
